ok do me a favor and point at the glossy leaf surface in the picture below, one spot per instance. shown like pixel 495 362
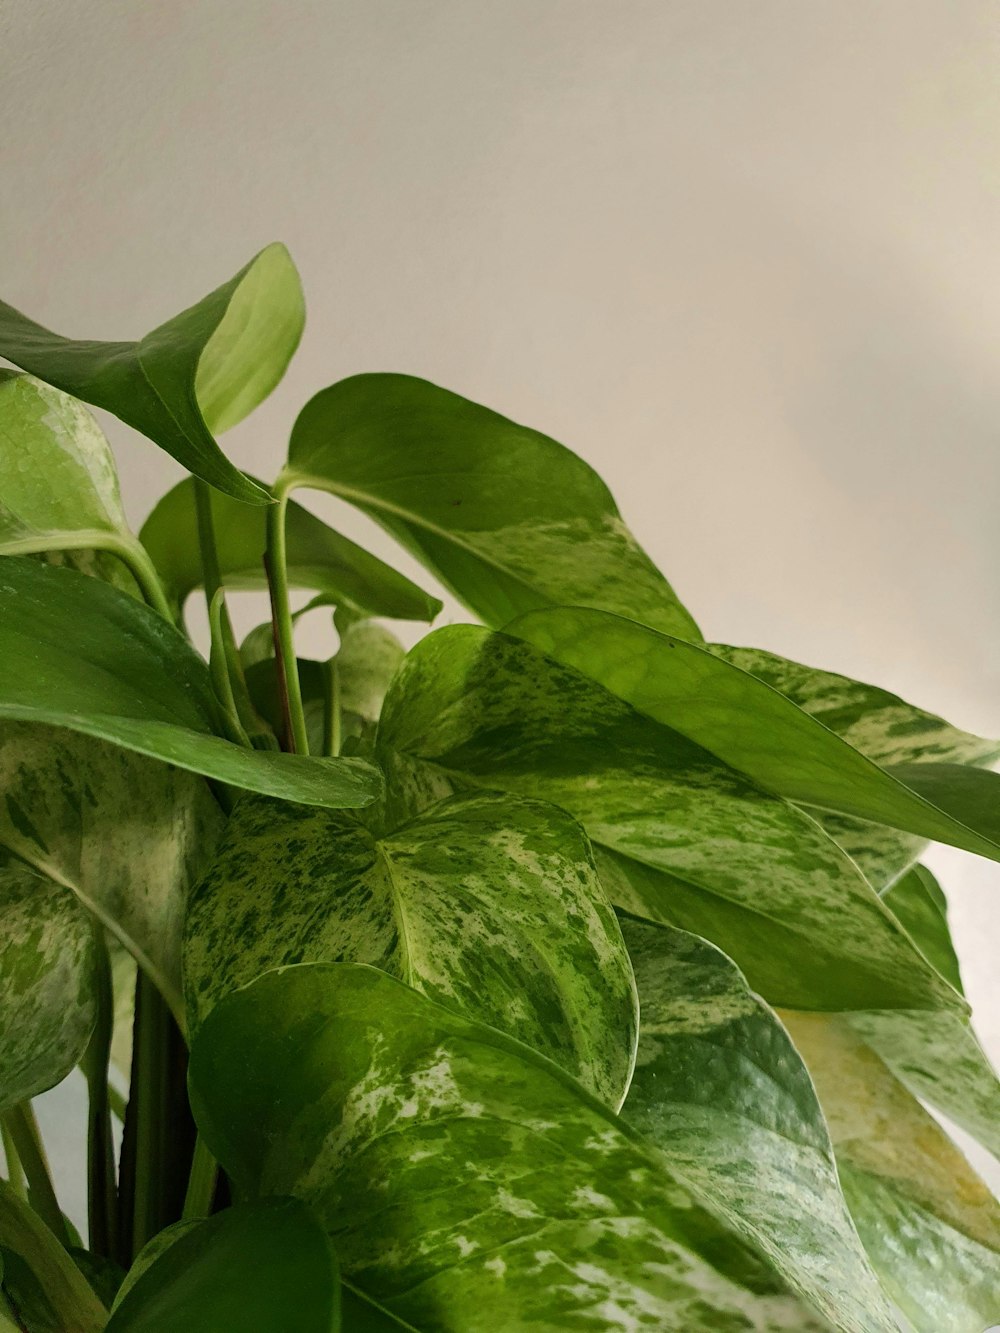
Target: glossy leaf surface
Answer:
pixel 200 372
pixel 318 557
pixel 264 1266
pixel 46 962
pixel 721 1091
pixel 698 845
pixel 487 902
pixel 504 516
pixel 467 1183
pixel 76 653
pixel 931 1227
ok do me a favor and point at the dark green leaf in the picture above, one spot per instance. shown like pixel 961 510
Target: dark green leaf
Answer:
pixel 76 653
pixel 203 370
pixel 486 902
pixel 467 1183
pixel 266 1267
pixel 504 516
pixel 50 1268
pixel 318 557
pixel 721 1091
pixel 698 845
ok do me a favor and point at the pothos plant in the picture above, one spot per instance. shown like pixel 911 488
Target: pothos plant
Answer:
pixel 566 972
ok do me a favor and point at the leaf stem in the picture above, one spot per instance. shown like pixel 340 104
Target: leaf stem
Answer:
pixel 201 1183
pixel 102 1195
pixel 275 562
pixel 147 1103
pixel 15 1172
pixel 23 1129
pixel 128 549
pixel 331 709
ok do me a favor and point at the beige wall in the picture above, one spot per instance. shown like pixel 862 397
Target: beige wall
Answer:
pixel 744 257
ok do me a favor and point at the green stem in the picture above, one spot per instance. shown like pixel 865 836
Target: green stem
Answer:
pixel 201 1183
pixel 15 1172
pixel 130 551
pixel 284 639
pixel 331 709
pixel 23 1130
pixel 102 1194
pixel 219 668
pixel 148 1099
pixel 117 1103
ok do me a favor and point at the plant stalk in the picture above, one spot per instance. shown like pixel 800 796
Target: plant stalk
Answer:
pixel 201 1183
pixel 15 1172
pixel 276 564
pixel 331 709
pixel 102 1193
pixel 23 1129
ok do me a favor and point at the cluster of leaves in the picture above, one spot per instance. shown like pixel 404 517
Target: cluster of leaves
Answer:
pixel 567 972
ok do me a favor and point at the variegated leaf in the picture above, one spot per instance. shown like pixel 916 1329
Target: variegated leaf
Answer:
pixel 882 726
pixel 721 1091
pixel 46 978
pixel 504 516
pixel 486 902
pixel 700 846
pixel 468 1184
pixel 751 726
pixel 931 1227
pixel 126 835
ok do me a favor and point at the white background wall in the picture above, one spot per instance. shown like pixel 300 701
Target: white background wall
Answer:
pixel 743 257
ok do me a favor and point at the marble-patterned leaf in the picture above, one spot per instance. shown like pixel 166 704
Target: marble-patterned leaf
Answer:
pixel 702 847
pixel 750 725
pixel 720 1089
pixel 127 835
pixel 77 653
pixel 468 1184
pixel 930 1225
pixel 202 371
pixel 504 516
pixel 488 902
pixel 883 727
pixel 46 976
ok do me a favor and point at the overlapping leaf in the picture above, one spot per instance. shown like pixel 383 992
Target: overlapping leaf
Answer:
pixel 467 1183
pixel 79 654
pixel 697 845
pixel 487 902
pixel 46 961
pixel 931 1227
pixel 202 371
pixel 721 1091
pixel 317 556
pixel 504 516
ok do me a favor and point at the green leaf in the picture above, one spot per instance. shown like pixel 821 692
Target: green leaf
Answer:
pixel 126 835
pixel 264 1266
pixel 66 1290
pixel 203 370
pixel 318 557
pixel 721 1091
pixel 504 516
pixel 919 904
pixel 749 725
pixel 488 902
pixel 698 845
pixel 884 728
pixel 46 969
pixel 931 1227
pixel 76 653
pixel 467 1183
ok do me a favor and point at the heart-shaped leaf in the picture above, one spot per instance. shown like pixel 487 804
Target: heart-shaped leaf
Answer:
pixel 265 1266
pixel 467 1183
pixel 76 653
pixel 486 902
pixel 202 371
pixel 317 556
pixel 698 845
pixel 46 969
pixel 504 516
pixel 931 1227
pixel 721 1091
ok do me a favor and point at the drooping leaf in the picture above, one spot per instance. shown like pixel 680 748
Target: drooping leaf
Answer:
pixel 749 725
pixel 931 1227
pixel 76 653
pixel 317 556
pixel 67 1292
pixel 504 516
pixel 126 835
pixel 467 1183
pixel 486 902
pixel 721 1091
pixel 884 728
pixel 265 1266
pixel 917 901
pixel 202 371
pixel 701 846
pixel 46 973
